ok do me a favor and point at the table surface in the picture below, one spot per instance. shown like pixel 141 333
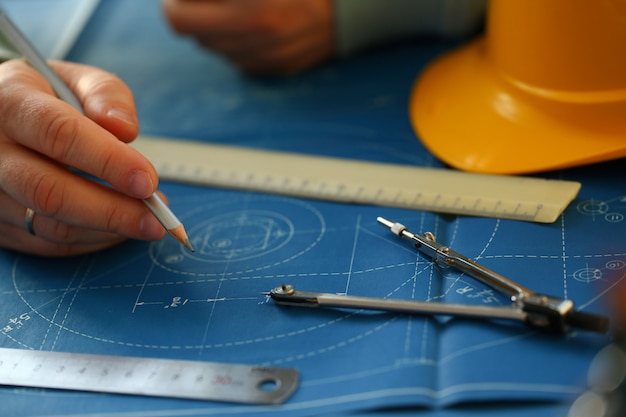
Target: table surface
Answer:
pixel 156 300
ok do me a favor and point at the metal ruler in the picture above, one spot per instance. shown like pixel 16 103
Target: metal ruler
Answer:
pixel 147 376
pixel 356 181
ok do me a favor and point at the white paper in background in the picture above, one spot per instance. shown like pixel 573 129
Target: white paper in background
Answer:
pixel 54 31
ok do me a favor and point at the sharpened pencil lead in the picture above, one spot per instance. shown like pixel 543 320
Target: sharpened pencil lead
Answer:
pixel 189 246
pixel 180 235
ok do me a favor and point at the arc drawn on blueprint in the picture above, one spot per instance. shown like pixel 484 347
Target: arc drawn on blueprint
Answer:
pixel 266 231
pixel 248 245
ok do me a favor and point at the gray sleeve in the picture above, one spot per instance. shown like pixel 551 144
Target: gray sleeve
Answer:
pixel 365 23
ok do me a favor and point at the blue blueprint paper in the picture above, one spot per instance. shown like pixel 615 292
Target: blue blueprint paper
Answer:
pixel 158 300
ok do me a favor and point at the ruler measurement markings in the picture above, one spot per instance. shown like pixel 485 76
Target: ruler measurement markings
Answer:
pixel 146 376
pixel 360 181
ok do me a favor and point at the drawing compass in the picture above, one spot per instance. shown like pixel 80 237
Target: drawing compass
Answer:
pixel 536 310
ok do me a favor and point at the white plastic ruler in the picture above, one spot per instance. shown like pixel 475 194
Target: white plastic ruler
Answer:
pixel 356 181
pixel 147 376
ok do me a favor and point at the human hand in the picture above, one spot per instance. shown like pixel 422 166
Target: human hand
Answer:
pixel 259 36
pixel 41 136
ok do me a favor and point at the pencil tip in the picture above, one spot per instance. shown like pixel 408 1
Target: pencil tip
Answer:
pixel 180 235
pixel 188 245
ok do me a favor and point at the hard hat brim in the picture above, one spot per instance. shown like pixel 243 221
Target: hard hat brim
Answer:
pixel 476 119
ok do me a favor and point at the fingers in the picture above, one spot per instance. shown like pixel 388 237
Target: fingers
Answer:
pixel 14 214
pixel 52 238
pixel 17 239
pixel 40 136
pixel 106 99
pixel 260 57
pixel 197 16
pixel 57 193
pixel 32 117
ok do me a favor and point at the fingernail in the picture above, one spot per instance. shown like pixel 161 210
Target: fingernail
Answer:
pixel 150 228
pixel 122 115
pixel 140 184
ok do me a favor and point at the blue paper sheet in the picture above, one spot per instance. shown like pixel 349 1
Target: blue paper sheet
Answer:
pixel 158 300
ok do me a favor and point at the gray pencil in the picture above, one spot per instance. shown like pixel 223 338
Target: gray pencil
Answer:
pixel 17 39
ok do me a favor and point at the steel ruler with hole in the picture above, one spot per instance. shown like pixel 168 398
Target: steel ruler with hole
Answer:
pixel 147 376
pixel 357 181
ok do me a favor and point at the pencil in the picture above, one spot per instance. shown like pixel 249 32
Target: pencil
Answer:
pixel 17 39
pixel 167 218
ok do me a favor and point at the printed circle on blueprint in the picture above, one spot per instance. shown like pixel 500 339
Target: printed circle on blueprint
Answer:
pixel 238 230
pixel 110 296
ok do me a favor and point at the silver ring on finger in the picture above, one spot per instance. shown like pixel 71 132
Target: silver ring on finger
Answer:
pixel 28 221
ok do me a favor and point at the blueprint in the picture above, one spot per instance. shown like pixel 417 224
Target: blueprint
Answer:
pixel 155 299
pixel 158 300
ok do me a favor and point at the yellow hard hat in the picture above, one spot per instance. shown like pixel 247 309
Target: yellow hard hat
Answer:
pixel 544 88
